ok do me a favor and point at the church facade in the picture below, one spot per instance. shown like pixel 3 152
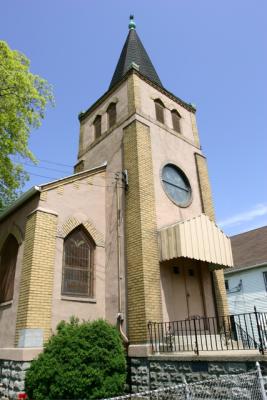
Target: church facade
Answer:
pixel 130 236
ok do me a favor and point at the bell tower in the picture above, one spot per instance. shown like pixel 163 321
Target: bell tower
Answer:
pixel 165 223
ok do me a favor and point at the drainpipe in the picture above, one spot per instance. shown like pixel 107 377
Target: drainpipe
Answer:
pixel 120 317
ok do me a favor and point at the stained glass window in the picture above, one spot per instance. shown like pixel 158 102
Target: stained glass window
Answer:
pixel 78 264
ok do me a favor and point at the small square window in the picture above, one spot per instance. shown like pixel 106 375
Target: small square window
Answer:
pixel 226 282
pixel 191 272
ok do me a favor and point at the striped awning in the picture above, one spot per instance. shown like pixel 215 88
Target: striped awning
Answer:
pixel 198 238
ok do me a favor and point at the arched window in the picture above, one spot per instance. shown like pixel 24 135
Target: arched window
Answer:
pixel 78 268
pixel 7 268
pixel 112 114
pixel 159 106
pixel 176 121
pixel 97 126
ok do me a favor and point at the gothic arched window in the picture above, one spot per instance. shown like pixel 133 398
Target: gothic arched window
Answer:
pixel 7 268
pixel 97 126
pixel 159 106
pixel 78 271
pixel 112 114
pixel 176 117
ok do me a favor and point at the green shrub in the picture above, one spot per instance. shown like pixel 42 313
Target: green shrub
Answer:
pixel 81 361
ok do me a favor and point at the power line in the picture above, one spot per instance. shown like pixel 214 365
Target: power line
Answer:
pixel 40 167
pixel 56 163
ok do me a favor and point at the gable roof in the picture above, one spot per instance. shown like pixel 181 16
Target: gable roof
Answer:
pixel 249 249
pixel 134 53
pixel 47 186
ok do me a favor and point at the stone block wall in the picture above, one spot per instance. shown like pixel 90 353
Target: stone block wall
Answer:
pixel 12 374
pixel 152 373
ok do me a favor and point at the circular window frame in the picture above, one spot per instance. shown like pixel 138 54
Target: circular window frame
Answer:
pixel 187 204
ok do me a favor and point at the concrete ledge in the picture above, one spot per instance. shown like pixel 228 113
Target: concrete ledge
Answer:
pixel 139 350
pixel 240 355
pixel 20 354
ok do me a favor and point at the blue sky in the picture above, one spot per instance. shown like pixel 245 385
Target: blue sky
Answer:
pixel 210 53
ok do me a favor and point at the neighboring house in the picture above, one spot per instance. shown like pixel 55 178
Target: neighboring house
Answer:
pixel 246 286
pixel 246 282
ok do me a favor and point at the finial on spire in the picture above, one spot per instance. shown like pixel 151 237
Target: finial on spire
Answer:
pixel 132 23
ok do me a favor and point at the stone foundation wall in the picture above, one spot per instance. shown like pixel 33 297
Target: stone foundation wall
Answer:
pixel 151 373
pixel 12 377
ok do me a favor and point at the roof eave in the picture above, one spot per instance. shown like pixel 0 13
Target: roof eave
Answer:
pixel 235 270
pixel 20 201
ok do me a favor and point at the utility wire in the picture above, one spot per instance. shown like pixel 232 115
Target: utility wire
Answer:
pixel 49 169
pixel 56 163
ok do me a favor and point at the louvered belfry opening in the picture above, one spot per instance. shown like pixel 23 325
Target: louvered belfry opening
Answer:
pixel 8 268
pixel 97 126
pixel 159 106
pixel 176 117
pixel 78 264
pixel 112 115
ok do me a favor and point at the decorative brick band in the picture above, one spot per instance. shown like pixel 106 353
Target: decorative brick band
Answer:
pixel 143 272
pixel 37 274
pixel 74 222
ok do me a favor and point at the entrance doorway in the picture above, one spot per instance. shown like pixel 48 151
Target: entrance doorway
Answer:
pixel 182 292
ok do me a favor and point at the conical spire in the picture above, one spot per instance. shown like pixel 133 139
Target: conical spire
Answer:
pixel 134 53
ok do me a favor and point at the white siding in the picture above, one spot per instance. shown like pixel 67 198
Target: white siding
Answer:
pixel 252 292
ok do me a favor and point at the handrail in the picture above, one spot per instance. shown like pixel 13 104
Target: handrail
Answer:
pixel 245 337
pixel 245 331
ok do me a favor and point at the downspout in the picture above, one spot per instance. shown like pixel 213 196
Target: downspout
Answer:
pixel 120 317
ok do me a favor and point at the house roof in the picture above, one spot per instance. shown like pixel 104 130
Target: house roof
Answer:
pixel 134 54
pixel 249 249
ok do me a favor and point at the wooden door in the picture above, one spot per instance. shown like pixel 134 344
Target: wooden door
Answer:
pixel 181 292
pixel 194 294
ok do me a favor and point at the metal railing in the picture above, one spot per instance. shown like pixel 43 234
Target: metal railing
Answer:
pixel 247 331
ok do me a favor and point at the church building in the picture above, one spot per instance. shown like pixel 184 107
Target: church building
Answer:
pixel 130 236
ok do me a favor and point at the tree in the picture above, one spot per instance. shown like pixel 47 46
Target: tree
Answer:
pixel 23 100
pixel 81 361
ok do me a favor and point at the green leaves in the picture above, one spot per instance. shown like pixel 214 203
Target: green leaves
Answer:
pixel 23 100
pixel 82 361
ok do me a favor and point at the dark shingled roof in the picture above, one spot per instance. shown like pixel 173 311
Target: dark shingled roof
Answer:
pixel 134 52
pixel 249 248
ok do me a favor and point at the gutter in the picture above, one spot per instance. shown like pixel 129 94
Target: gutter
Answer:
pixel 235 271
pixel 21 200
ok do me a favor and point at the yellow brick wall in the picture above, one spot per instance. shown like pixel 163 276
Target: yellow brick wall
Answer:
pixel 133 94
pixel 143 273
pixel 207 204
pixel 35 297
pixel 195 130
